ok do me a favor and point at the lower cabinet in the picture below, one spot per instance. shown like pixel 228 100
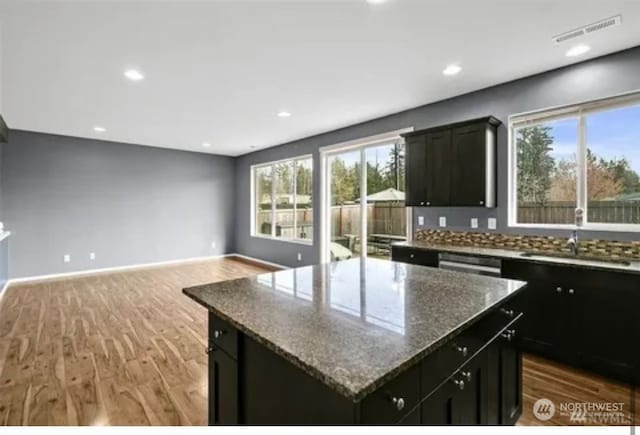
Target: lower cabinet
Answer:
pixel 486 390
pixel 475 379
pixel 581 317
pixel 223 388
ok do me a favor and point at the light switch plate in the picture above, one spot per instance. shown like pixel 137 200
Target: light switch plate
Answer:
pixel 491 223
pixel 66 258
pixel 420 220
pixel 443 221
pixel 299 256
pixel 92 255
pixel 474 222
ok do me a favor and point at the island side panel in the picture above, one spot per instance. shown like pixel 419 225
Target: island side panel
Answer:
pixel 274 391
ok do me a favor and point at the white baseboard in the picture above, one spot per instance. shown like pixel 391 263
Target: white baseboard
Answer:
pixel 265 262
pixel 80 273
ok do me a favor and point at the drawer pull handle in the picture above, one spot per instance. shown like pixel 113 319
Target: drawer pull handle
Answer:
pixel 398 402
pixel 463 350
pixel 571 291
pixel 509 313
pixel 559 289
pixel 507 335
pixel 459 383
pixel 412 256
pixel 209 350
pixel 218 334
pixel 467 376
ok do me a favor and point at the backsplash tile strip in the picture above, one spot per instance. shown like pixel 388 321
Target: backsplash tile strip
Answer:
pixel 542 244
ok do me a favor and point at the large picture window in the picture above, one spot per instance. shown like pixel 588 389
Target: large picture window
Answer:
pixel 584 157
pixel 282 199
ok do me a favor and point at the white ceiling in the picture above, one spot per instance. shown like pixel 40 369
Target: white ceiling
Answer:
pixel 220 71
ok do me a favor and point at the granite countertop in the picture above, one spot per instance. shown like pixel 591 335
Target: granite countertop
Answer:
pixel 354 324
pixel 633 267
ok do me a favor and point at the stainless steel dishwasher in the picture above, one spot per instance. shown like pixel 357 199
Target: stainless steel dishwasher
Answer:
pixel 470 264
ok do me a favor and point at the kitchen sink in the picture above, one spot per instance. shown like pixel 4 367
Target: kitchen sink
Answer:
pixel 580 257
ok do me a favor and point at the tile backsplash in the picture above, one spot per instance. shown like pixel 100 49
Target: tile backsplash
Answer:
pixel 609 248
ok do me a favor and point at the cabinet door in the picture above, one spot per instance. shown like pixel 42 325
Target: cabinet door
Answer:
pixel 470 404
pixel 609 329
pixel 415 171
pixel 546 314
pixel 510 379
pixel 468 168
pixel 437 175
pixel 437 409
pixel 223 388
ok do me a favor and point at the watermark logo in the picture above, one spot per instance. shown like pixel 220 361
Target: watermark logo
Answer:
pixel 581 412
pixel 544 409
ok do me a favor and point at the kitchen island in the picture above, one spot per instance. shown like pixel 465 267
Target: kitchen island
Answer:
pixel 362 341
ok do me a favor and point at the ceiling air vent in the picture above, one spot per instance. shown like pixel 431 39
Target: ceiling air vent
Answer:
pixel 588 29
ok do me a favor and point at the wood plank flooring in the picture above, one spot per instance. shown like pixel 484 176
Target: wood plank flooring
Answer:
pixel 564 384
pixel 109 349
pixel 127 348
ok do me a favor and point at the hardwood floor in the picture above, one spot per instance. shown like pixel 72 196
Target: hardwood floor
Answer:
pixel 544 379
pixel 128 349
pixel 110 349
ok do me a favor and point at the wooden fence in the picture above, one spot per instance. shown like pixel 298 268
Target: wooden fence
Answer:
pixel 382 218
pixel 619 212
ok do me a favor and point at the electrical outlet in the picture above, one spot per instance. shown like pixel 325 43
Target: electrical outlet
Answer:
pixel 66 258
pixel 420 220
pixel 299 256
pixel 491 223
pixel 474 222
pixel 213 245
pixel 92 255
pixel 443 221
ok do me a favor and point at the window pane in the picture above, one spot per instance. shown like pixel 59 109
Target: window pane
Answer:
pixel 345 207
pixel 304 204
pixel 546 167
pixel 613 166
pixel 284 199
pixel 263 196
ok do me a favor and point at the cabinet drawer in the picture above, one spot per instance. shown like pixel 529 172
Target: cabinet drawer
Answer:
pixel 414 256
pixel 393 401
pixel 223 335
pixel 445 361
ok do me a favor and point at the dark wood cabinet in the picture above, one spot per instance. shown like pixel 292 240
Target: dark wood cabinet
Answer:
pixel 415 157
pixel 223 388
pixel 453 165
pixel 460 383
pixel 470 175
pixel 510 360
pixel 583 317
pixel 436 175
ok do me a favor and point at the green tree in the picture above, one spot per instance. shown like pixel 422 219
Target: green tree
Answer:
pixel 395 169
pixel 535 165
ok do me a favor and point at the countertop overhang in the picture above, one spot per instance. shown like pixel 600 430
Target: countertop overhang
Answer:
pixel 357 323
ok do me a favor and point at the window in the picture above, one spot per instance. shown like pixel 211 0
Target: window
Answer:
pixel 584 157
pixel 282 199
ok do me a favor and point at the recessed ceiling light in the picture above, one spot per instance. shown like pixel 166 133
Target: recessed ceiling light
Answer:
pixel 133 75
pixel 451 70
pixel 578 50
pixel 99 129
pixel 284 114
pixel 253 147
pixel 206 144
pixel 376 2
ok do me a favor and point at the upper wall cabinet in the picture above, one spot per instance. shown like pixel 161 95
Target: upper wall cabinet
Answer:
pixel 452 165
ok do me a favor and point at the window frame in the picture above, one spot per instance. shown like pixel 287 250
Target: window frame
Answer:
pixel 579 111
pixel 272 165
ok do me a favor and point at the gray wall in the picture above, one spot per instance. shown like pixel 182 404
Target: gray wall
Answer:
pixel 594 79
pixel 129 204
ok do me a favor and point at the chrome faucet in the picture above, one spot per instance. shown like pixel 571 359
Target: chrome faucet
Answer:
pixel 573 243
